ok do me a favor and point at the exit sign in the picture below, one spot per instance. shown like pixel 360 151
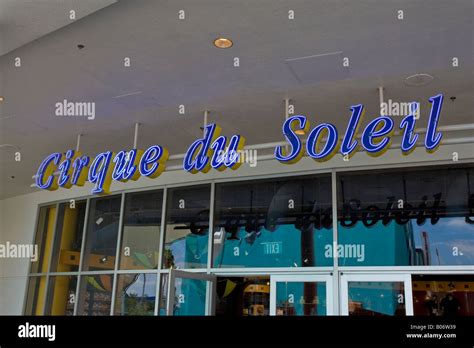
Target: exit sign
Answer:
pixel 271 248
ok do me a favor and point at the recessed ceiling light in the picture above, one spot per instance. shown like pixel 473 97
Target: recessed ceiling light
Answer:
pixel 418 79
pixel 1 98
pixel 222 42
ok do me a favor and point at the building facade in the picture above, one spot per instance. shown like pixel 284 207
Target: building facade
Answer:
pixel 256 244
pixel 327 229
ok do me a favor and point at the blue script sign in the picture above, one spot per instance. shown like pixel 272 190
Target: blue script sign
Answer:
pixel 218 152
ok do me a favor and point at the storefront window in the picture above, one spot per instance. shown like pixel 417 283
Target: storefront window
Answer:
pixel 410 217
pixel 403 217
pixel 141 230
pixel 95 296
pixel 278 223
pixel 187 227
pixel 102 231
pixel 135 294
pixel 36 292
pixel 443 295
pixel 61 295
pixel 43 238
pixel 35 296
pixel 300 298
pixel 68 237
pixel 243 296
pixel 376 298
pixel 189 297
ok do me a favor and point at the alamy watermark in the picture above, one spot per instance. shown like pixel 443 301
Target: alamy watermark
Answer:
pixel 20 251
pixel 244 156
pixel 67 108
pixel 28 330
pixel 345 251
pixel 394 108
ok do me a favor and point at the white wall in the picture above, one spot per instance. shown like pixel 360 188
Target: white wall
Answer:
pixel 18 214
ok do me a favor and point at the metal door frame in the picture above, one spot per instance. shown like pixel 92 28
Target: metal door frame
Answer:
pixel 210 289
pixel 319 278
pixel 379 278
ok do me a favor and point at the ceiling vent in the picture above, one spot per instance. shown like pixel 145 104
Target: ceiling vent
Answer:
pixel 418 80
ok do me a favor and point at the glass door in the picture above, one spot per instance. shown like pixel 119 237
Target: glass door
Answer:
pixel 376 295
pixel 191 293
pixel 301 295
